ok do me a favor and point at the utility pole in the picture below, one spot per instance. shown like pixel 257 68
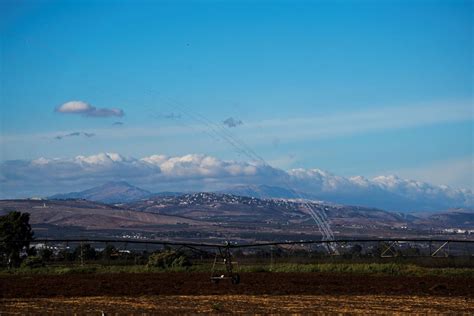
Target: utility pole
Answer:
pixel 82 255
pixel 271 258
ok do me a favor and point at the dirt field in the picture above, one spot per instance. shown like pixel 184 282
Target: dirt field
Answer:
pixel 138 284
pixel 285 304
pixel 258 292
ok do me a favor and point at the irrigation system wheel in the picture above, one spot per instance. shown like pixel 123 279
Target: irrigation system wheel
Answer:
pixel 235 279
pixel 225 255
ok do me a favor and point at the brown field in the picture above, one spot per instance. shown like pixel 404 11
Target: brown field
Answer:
pixel 171 293
pixel 282 304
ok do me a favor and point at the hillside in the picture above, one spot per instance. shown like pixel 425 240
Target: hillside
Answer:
pixel 232 208
pixel 110 192
pixel 200 216
pixel 456 218
pixel 86 214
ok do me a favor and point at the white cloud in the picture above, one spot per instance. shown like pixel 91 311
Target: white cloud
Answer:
pixel 389 192
pixel 85 109
pixel 203 173
pixel 196 165
pixel 40 161
pixel 155 159
pixel 74 107
pixel 100 159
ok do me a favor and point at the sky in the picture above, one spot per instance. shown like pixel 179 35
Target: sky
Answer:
pixel 358 88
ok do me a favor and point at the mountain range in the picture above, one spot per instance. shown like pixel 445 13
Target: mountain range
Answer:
pixel 123 192
pixel 110 192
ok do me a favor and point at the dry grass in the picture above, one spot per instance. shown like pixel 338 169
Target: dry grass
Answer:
pixel 373 304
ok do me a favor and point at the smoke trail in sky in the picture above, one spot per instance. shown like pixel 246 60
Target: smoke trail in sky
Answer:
pixel 241 147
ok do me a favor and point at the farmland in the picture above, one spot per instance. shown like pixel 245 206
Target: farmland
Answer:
pixel 174 292
pixel 287 304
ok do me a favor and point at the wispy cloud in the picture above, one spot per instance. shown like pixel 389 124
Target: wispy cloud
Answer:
pixel 356 122
pixel 168 116
pixel 87 110
pixel 74 134
pixel 273 131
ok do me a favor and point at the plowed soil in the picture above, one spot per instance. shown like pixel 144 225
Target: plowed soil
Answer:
pixel 170 293
pixel 137 284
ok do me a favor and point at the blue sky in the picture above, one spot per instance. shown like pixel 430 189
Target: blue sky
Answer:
pixel 355 87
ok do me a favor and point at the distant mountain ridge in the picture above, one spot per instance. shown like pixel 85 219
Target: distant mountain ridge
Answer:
pixel 123 192
pixel 265 192
pixel 110 192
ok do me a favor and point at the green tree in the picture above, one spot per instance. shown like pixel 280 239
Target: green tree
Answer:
pixel 45 254
pixel 168 259
pixel 15 236
pixel 109 252
pixel 85 252
pixel 32 262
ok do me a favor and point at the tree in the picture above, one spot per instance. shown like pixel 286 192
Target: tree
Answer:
pixel 356 250
pixel 85 252
pixel 45 254
pixel 168 259
pixel 15 236
pixel 109 252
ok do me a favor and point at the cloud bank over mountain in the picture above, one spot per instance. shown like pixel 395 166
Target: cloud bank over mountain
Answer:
pixel 196 172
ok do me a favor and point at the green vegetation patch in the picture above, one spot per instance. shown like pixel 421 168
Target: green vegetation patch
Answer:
pixel 176 265
pixel 362 268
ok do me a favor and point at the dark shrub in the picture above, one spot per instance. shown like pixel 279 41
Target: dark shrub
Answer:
pixel 32 262
pixel 85 252
pixel 168 259
pixel 45 253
